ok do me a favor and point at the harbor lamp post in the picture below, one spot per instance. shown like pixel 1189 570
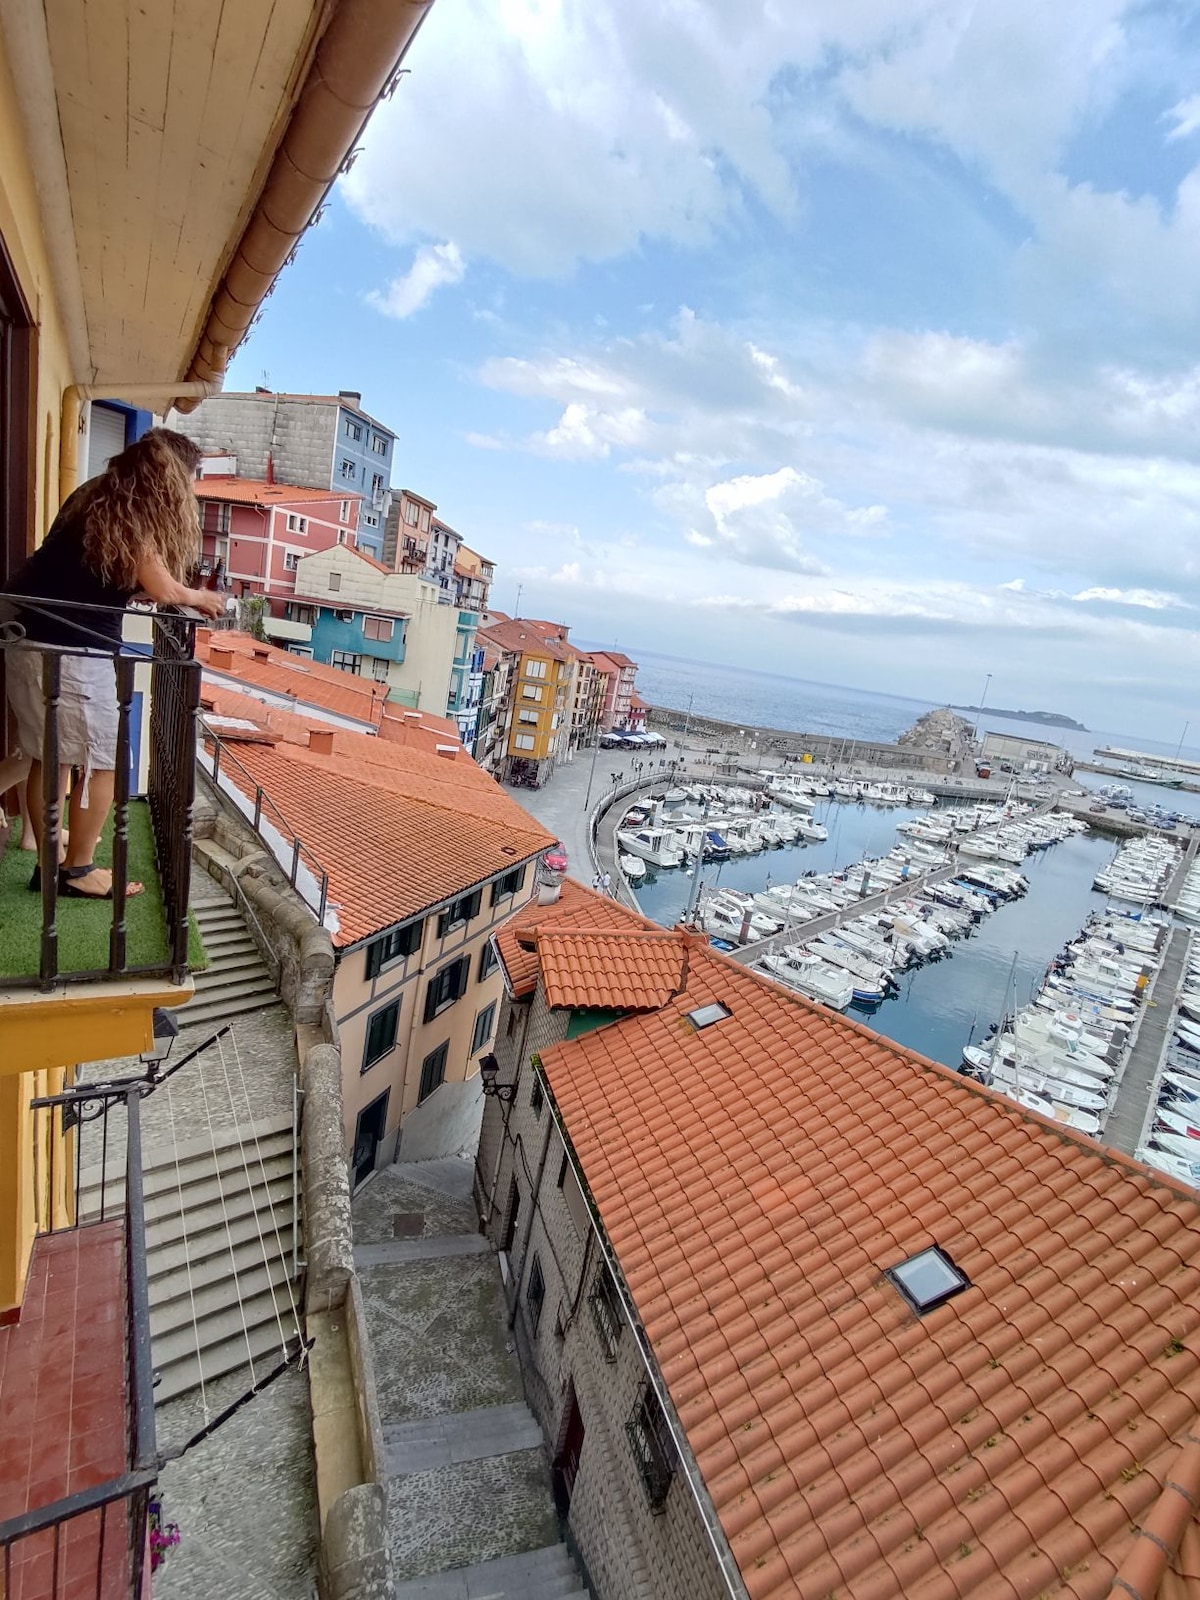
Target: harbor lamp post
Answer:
pixel 592 773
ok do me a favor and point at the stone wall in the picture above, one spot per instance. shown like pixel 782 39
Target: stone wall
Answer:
pixel 630 1550
pixel 298 435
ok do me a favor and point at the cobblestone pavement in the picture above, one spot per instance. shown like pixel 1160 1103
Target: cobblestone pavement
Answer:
pixel 244 1498
pixel 440 1344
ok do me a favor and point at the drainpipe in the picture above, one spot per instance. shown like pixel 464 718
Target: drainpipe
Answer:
pixel 151 395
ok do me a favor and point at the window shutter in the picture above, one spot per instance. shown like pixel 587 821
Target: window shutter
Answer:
pixel 496 891
pixel 443 924
pixel 474 901
pixel 374 958
pixel 519 879
pixel 462 977
pixel 431 1000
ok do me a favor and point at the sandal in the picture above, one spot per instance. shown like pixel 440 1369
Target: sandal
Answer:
pixel 68 891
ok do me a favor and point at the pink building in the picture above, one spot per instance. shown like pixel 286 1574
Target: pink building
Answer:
pixel 620 678
pixel 258 532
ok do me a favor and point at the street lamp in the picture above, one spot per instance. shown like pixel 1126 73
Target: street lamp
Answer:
pixel 489 1071
pixel 592 773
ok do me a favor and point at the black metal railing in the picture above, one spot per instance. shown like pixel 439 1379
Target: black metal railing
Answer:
pixel 174 698
pixel 305 873
pixel 87 1173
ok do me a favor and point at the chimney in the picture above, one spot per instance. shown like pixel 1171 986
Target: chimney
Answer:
pixel 411 716
pixel 270 466
pixel 259 389
pixel 352 397
pixel 548 893
pixel 203 635
pixel 321 741
pixel 219 658
pixel 447 751
pixel 261 654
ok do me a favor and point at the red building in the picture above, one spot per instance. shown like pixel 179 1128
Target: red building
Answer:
pixel 259 531
pixel 620 678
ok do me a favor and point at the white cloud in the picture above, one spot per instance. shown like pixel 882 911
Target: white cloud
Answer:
pixel 1185 116
pixel 1146 599
pixel 434 266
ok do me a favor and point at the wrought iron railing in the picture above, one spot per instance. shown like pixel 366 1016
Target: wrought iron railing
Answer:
pixel 174 698
pixel 87 1173
pixel 305 873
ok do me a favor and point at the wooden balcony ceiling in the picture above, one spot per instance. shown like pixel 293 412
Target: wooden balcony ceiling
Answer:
pixel 169 116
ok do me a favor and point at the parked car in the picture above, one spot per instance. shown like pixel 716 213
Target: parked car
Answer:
pixel 1097 808
pixel 555 859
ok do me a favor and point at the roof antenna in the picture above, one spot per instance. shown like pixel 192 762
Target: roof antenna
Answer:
pixel 517 612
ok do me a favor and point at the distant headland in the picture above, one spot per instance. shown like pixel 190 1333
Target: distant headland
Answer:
pixel 1049 719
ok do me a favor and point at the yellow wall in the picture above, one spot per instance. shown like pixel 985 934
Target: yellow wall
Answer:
pixel 32 1197
pixel 554 702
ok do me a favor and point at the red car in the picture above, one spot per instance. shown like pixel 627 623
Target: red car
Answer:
pixel 555 859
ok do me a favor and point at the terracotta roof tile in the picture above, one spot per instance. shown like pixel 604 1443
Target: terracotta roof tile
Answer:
pixel 255 492
pixel 771 1166
pixel 396 830
pixel 521 638
pixel 620 970
pixel 575 908
pixel 263 666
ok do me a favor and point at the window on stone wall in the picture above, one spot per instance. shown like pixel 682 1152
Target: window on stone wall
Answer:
pixel 535 1293
pixel 653 1447
pixel 606 1312
pixel 537 1097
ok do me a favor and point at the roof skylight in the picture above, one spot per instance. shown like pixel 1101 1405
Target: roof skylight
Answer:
pixel 705 1016
pixel 928 1279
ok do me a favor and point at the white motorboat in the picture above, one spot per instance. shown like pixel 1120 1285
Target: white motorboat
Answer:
pixel 633 867
pixel 732 916
pixel 1174 1166
pixel 814 832
pixel 1011 1075
pixel 655 845
pixel 811 978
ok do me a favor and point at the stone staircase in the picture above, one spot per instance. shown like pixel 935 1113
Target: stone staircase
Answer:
pixel 219 1250
pixel 236 980
pixel 546 1574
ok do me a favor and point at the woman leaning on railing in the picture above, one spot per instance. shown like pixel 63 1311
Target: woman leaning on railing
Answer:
pixel 133 532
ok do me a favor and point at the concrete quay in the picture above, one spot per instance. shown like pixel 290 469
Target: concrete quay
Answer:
pixel 1125 1126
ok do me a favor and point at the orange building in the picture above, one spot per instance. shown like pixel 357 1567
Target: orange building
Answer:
pixel 541 697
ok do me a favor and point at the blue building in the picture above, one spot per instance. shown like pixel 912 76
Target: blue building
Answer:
pixel 316 441
pixel 466 678
pixel 363 642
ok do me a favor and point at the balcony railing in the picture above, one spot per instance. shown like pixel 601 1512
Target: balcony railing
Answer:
pixel 174 695
pixel 90 1544
pixel 305 873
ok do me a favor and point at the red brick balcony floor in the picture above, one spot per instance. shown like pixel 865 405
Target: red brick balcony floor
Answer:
pixel 63 1416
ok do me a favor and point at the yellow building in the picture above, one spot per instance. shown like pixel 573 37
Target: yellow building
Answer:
pixel 160 166
pixel 541 698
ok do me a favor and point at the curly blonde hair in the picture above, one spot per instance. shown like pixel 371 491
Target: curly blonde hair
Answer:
pixel 143 503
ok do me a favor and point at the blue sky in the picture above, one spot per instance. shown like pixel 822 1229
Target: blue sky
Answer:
pixel 857 340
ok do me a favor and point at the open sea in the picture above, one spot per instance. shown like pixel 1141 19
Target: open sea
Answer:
pixel 944 1005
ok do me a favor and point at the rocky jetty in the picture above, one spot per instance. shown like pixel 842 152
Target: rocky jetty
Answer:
pixel 940 732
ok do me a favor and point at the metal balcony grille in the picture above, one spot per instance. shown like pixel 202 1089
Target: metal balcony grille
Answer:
pixel 653 1447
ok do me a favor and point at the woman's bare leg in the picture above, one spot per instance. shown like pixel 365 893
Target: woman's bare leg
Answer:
pixel 87 824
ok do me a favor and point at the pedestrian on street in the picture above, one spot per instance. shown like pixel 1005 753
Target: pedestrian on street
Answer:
pixel 596 880
pixel 606 883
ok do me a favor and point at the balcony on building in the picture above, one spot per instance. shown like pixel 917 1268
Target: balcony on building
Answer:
pixel 78 1453
pixel 81 981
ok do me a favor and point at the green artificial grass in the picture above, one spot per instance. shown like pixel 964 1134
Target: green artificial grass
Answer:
pixel 83 927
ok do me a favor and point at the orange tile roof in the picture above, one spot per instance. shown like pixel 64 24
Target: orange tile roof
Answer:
pixel 421 729
pixel 755 1188
pixel 296 676
pixel 396 830
pixel 254 492
pixel 576 908
pixel 621 970
pixel 519 639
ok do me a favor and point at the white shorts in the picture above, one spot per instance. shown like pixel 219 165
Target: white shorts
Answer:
pixel 87 706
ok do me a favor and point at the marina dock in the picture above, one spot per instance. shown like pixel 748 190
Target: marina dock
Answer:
pixel 797 931
pixel 1181 872
pixel 1126 1122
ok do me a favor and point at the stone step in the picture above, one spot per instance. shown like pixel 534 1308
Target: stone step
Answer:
pixel 240 1255
pixel 180 1298
pixel 223 1324
pixel 181 1371
pixel 459 1436
pixel 194 1222
pixel 546 1574
pixel 214 913
pixel 180 1163
pixel 238 975
pixel 221 938
pixel 450 1176
pixel 214 1007
pixel 232 956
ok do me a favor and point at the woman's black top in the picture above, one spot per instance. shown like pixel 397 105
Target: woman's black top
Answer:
pixel 58 570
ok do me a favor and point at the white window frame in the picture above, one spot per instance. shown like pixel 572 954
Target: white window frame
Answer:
pixel 530 691
pixel 528 717
pixel 354 430
pixel 370 621
pixel 345 661
pixel 524 741
pixel 296 523
pixel 291 560
pixel 349 470
pixel 535 669
pixel 410 513
pixel 335 581
pixel 344 511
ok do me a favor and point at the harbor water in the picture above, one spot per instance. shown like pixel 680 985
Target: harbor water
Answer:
pixel 942 1005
